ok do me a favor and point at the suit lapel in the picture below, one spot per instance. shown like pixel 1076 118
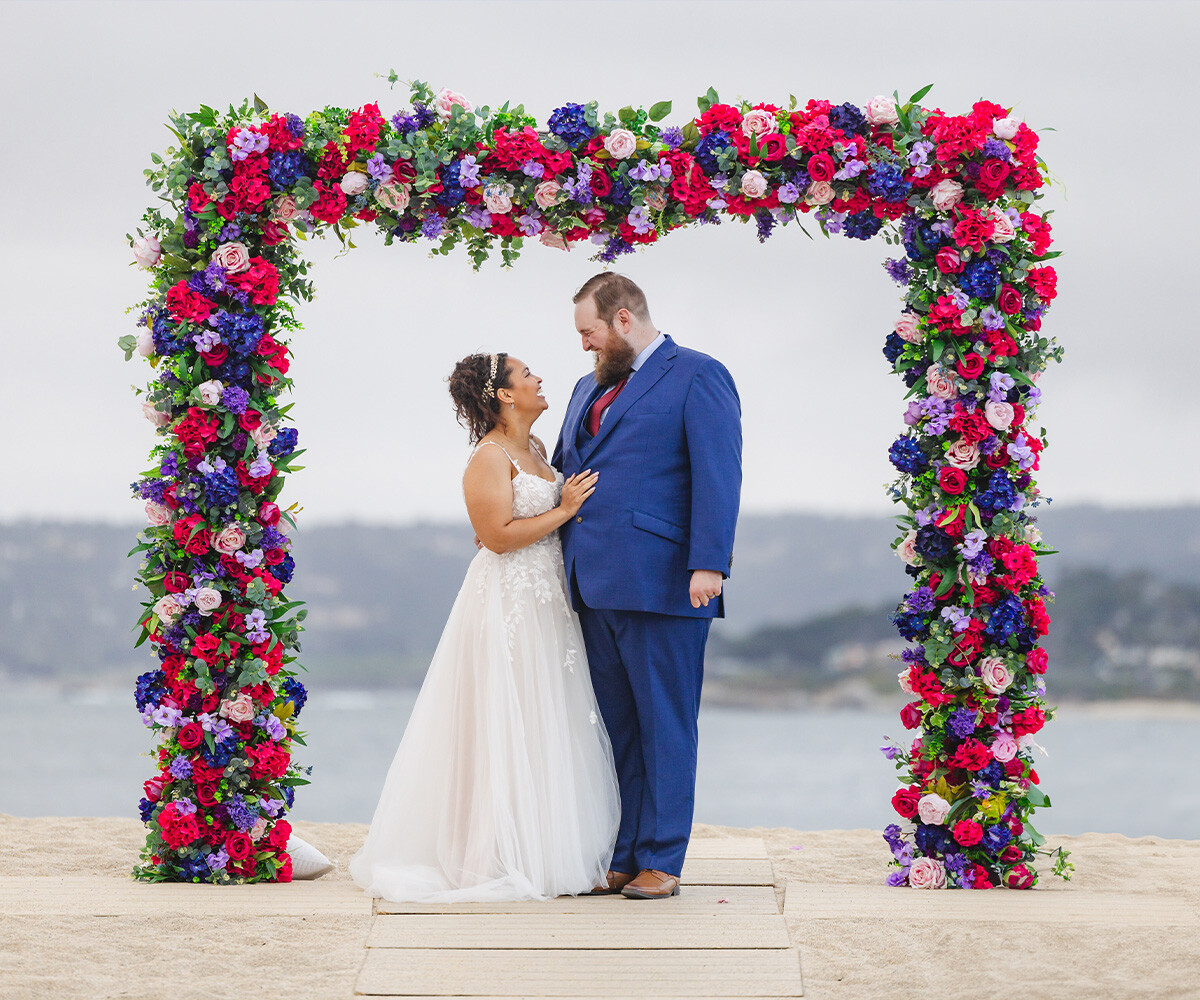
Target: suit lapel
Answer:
pixel 656 366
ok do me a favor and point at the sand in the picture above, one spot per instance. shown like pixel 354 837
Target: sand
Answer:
pixel 1127 925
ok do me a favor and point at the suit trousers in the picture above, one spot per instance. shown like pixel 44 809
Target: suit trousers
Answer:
pixel 647 670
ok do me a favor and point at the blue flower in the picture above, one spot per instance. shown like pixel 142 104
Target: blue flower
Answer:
pixel 283 572
pixel 766 223
pixel 287 168
pixel 296 693
pixel 979 279
pixel 887 182
pixel 910 624
pixel 993 774
pixel 221 488
pixel 849 118
pixel 932 840
pixel 148 689
pixel 934 545
pixel 893 347
pixel 996 838
pixel 906 455
pixel 284 443
pixel 145 809
pixel 570 124
pixel 999 494
pixel 452 192
pixel 1005 618
pixel 862 225
pixel 708 148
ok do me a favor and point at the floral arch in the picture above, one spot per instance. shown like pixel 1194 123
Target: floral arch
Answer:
pixel 955 194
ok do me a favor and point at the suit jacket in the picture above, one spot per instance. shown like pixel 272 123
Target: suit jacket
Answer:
pixel 669 453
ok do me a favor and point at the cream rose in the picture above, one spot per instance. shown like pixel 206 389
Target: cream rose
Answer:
pixel 497 198
pixel 263 435
pixel 145 343
pixel 210 392
pixel 926 873
pixel 167 608
pixel 903 681
pixel 207 600
pixel 908 328
pixel 229 539
pixel 546 193
pixel 963 454
pixel 353 183
pixel 393 196
pixel 446 99
pixel 147 251
pixel 1004 747
pixel 234 257
pixel 995 674
pixel 939 382
pixel 621 143
pixel 656 198
pixel 945 194
pixel 932 808
pixel 754 184
pixel 759 122
pixel 999 415
pixel 907 549
pixel 881 110
pixel 157 515
pixel 1006 128
pixel 550 238
pixel 155 416
pixel 258 829
pixel 1033 535
pixel 241 709
pixel 283 208
pixel 819 193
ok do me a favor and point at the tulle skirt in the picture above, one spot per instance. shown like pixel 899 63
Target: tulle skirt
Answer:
pixel 503 786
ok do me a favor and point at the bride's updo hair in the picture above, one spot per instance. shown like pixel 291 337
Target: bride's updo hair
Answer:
pixel 473 385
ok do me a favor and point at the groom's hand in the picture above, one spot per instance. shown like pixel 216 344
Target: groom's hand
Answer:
pixel 705 586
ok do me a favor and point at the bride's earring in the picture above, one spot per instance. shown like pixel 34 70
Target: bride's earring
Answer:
pixel 512 406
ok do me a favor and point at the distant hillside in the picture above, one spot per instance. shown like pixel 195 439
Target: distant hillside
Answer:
pixel 378 597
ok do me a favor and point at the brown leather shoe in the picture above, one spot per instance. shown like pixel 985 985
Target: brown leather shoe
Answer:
pixel 616 882
pixel 651 884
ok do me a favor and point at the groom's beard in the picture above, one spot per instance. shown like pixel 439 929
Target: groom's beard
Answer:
pixel 615 362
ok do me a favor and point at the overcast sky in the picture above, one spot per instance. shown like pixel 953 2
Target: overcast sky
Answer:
pixel 87 87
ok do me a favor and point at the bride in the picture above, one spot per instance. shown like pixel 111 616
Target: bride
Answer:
pixel 503 786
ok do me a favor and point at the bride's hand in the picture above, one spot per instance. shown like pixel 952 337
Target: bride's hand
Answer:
pixel 577 489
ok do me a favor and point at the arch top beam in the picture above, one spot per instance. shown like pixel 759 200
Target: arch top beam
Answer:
pixel 242 190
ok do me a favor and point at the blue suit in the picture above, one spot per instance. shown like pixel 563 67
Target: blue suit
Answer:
pixel 669 455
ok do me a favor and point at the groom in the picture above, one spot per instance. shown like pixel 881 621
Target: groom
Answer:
pixel 645 559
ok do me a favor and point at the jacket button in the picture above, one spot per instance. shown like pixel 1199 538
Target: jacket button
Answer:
pixel 579 520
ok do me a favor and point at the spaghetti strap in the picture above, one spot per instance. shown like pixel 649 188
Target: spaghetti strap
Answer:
pixel 502 448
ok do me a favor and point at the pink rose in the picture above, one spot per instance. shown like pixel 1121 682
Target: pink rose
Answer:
pixel 904 682
pixel 907 549
pixel 207 600
pixel 927 874
pixel 145 343
pixel 239 710
pixel 157 515
pixel 939 382
pixel 229 539
pixel 234 257
pixel 1006 128
pixel 167 609
pixel 550 238
pixel 945 194
pixel 497 198
pixel 656 198
pixel 999 415
pixel 932 808
pixel 393 196
pixel 908 328
pixel 546 193
pixel 621 143
pixel 881 110
pixel 819 193
pixel 1004 231
pixel 447 99
pixel 353 184
pixel 210 392
pixel 1004 747
pixel 949 261
pixel 259 828
pixel 283 208
pixel 147 251
pixel 754 184
pixel 963 454
pixel 263 435
pixel 759 122
pixel 995 674
pixel 155 416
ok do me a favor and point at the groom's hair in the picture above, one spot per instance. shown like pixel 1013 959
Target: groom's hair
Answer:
pixel 612 292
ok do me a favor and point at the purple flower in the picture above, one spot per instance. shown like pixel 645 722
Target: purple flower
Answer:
pixel 994 149
pixel 962 722
pixel 379 168
pixel 432 227
pixel 249 559
pixel 468 172
pixel 181 767
pixel 992 318
pixel 972 543
pixel 851 168
pixel 890 752
pixel 261 466
pixel 531 168
pixel 530 224
pixel 217 860
pixel 478 216
pixel 246 142
pixel 639 220
pixel 185 807
pixel 672 137
pixel 898 878
pixel 235 398
pixel 920 599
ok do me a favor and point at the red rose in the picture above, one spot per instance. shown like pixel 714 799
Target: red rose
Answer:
pixel 998 459
pixel 1019 877
pixel 206 794
pixel 268 514
pixel 238 845
pixel 968 833
pixel 905 801
pixel 1014 768
pixel 153 787
pixel 1012 853
pixel 250 420
pixel 285 868
pixel 971 366
pixel 952 480
pixel 274 556
pixel 175 582
pixel 820 167
pixel 994 173
pixel 1010 300
pixel 966 648
pixel 772 147
pixel 601 185
pixel 949 261
pixel 953 522
pixel 1036 660
pixel 910 715
pixel 215 356
pixel 191 736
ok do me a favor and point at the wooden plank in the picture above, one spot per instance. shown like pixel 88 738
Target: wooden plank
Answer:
pixel 727 847
pixel 99 896
pixel 804 901
pixel 727 871
pixel 646 928
pixel 684 973
pixel 720 899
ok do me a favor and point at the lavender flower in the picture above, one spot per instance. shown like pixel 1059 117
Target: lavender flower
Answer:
pixel 788 193
pixel 246 142
pixel 185 807
pixel 468 172
pixel 378 168
pixel 432 227
pixel 672 137
pixel 261 466
pixel 531 168
pixel 992 318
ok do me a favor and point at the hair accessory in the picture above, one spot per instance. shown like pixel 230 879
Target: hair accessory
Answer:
pixel 487 388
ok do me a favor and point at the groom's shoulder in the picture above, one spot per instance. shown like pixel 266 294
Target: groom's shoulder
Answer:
pixel 692 362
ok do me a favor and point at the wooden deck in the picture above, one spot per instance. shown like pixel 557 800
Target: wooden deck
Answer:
pixel 723 936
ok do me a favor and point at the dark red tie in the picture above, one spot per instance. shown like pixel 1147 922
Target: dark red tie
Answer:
pixel 599 406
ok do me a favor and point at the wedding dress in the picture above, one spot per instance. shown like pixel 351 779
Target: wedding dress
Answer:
pixel 503 786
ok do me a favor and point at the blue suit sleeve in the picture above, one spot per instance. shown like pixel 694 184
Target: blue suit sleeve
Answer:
pixel 712 416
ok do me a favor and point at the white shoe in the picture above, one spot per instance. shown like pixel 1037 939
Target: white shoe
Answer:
pixel 307 862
